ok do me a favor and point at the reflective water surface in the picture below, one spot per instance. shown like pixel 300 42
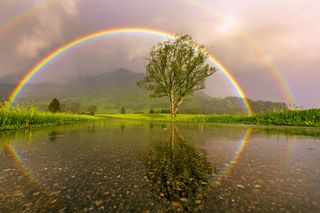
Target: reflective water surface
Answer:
pixel 122 166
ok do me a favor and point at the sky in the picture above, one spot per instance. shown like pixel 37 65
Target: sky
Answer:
pixel 266 44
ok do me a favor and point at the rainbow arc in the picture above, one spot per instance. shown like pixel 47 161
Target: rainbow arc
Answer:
pixel 58 52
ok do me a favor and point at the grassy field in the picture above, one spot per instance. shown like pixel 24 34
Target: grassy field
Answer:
pixel 19 118
pixel 309 117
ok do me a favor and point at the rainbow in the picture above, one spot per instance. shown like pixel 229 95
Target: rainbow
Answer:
pixel 19 163
pixel 242 148
pixel 23 169
pixel 14 21
pixel 283 84
pixel 38 67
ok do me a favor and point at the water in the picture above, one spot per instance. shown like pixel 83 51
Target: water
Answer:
pixel 122 166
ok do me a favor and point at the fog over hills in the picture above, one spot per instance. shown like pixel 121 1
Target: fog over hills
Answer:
pixel 114 90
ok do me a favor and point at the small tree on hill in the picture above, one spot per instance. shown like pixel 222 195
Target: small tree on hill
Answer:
pixel 91 109
pixel 74 107
pixel 151 111
pixel 63 107
pixel 54 106
pixel 176 69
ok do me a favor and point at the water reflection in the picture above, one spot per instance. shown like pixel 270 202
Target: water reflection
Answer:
pixel 179 172
pixel 94 167
pixel 54 135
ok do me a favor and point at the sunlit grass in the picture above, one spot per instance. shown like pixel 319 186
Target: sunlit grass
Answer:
pixel 21 117
pixel 309 117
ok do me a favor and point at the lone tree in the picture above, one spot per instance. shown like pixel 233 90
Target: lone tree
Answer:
pixel 91 109
pixel 54 105
pixel 176 68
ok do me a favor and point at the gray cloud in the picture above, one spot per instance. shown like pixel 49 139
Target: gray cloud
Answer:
pixel 286 31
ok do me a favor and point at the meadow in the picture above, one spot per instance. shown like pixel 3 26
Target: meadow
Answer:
pixel 21 117
pixel 309 118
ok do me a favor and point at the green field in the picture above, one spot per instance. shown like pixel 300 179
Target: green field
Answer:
pixel 309 117
pixel 19 118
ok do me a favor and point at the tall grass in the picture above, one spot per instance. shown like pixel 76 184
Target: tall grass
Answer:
pixel 22 117
pixel 309 117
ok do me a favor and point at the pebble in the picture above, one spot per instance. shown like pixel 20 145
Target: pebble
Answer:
pixel 36 193
pixel 240 186
pixel 98 202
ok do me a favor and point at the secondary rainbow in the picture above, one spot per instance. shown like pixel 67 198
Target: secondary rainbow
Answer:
pixel 283 84
pixel 240 151
pixel 276 73
pixel 18 19
pixel 38 67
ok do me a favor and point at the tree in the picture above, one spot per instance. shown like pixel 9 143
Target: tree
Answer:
pixel 73 107
pixel 54 106
pixel 91 109
pixel 63 107
pixel 123 110
pixel 176 69
pixel 178 171
pixel 151 111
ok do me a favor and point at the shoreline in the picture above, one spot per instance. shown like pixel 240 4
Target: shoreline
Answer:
pixel 303 118
pixel 20 118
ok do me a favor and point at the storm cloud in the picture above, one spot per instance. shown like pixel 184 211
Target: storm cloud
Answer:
pixel 243 35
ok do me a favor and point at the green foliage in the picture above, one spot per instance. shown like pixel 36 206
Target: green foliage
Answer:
pixel 54 106
pixel 73 108
pixel 263 106
pixel 109 97
pixel 91 109
pixel 163 111
pixel 176 69
pixel 21 117
pixel 123 110
pixel 151 111
pixel 309 117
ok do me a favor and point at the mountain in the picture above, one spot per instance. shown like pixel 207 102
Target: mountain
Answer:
pixel 114 90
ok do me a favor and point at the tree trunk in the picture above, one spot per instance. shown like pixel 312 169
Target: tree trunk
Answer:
pixel 174 110
pixel 174 107
pixel 173 139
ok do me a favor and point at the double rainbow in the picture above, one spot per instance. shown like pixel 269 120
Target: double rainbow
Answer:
pixel 15 21
pixel 38 67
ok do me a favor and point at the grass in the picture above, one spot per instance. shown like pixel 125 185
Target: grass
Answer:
pixel 309 118
pixel 19 118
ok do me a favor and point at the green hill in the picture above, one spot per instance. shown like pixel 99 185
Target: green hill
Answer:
pixel 114 90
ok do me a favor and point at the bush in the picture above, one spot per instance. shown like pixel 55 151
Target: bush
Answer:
pixel 54 106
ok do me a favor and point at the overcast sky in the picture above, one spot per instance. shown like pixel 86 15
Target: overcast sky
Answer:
pixel 286 32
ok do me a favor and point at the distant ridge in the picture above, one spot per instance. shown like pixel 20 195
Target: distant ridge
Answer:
pixel 112 90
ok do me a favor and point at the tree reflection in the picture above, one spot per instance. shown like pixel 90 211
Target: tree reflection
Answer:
pixel 54 135
pixel 179 172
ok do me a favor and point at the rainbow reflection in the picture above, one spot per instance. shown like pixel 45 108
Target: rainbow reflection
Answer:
pixel 22 167
pixel 237 156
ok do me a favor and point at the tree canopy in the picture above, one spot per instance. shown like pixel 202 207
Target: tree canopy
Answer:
pixel 54 106
pixel 176 68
